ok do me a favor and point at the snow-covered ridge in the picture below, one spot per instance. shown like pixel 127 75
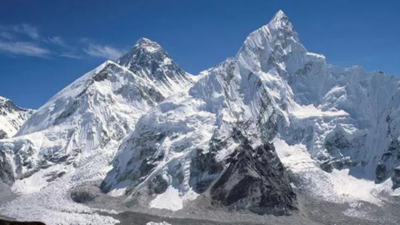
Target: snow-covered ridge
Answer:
pixel 11 117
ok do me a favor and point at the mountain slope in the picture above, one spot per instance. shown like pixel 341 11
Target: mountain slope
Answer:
pixel 11 118
pixel 71 139
pixel 273 91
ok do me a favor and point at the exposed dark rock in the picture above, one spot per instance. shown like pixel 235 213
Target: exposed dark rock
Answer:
pixel 3 134
pixel 102 75
pixel 52 176
pixel 85 193
pixel 69 110
pixel 255 180
pixel 204 169
pixel 388 162
pixel 6 171
pixel 396 178
pixel 158 185
pixel 8 222
pixel 381 173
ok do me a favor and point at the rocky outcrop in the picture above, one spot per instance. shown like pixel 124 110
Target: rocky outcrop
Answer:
pixel 254 180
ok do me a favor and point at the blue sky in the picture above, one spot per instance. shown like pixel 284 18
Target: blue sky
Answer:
pixel 46 45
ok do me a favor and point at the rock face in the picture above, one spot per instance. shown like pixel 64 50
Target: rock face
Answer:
pixel 11 118
pixel 255 179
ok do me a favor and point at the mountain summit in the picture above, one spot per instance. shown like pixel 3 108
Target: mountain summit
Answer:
pixel 11 117
pixel 149 60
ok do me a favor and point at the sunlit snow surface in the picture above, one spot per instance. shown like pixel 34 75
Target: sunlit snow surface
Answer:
pixel 338 186
pixel 50 202
pixel 156 223
pixel 11 117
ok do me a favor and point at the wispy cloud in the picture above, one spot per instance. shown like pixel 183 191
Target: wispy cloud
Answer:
pixel 102 51
pixel 26 29
pixel 56 40
pixel 27 40
pixel 6 35
pixel 23 48
pixel 70 55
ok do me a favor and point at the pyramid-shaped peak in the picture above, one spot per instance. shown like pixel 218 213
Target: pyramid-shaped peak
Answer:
pixel 280 22
pixel 145 41
pixel 279 16
pixel 148 44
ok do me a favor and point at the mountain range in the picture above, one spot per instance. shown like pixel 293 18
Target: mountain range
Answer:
pixel 255 134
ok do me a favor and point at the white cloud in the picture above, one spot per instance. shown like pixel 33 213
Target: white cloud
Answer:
pixel 6 35
pixel 70 55
pixel 28 30
pixel 23 48
pixel 102 51
pixel 56 40
pixel 25 39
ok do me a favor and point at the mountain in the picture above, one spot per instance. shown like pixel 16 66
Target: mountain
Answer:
pixel 273 101
pixel 11 117
pixel 72 138
pixel 256 133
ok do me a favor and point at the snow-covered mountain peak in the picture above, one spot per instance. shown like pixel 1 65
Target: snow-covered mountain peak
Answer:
pixel 11 117
pixel 148 45
pixel 280 16
pixel 142 50
pixel 276 46
pixel 150 61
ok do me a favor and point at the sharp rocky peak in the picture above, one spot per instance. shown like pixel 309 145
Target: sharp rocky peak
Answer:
pixel 279 16
pixel 148 45
pixel 274 45
pixel 149 60
pixel 144 53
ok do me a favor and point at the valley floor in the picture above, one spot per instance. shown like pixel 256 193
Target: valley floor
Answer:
pixel 311 211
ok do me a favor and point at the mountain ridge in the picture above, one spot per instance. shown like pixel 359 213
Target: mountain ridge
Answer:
pixel 11 117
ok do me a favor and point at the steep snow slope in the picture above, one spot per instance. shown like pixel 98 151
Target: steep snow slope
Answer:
pixel 273 91
pixel 11 118
pixel 72 138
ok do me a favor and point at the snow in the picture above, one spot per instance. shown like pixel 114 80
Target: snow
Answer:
pixel 156 223
pixel 338 186
pixel 51 203
pixel 170 200
pixel 12 117
pixel 310 111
